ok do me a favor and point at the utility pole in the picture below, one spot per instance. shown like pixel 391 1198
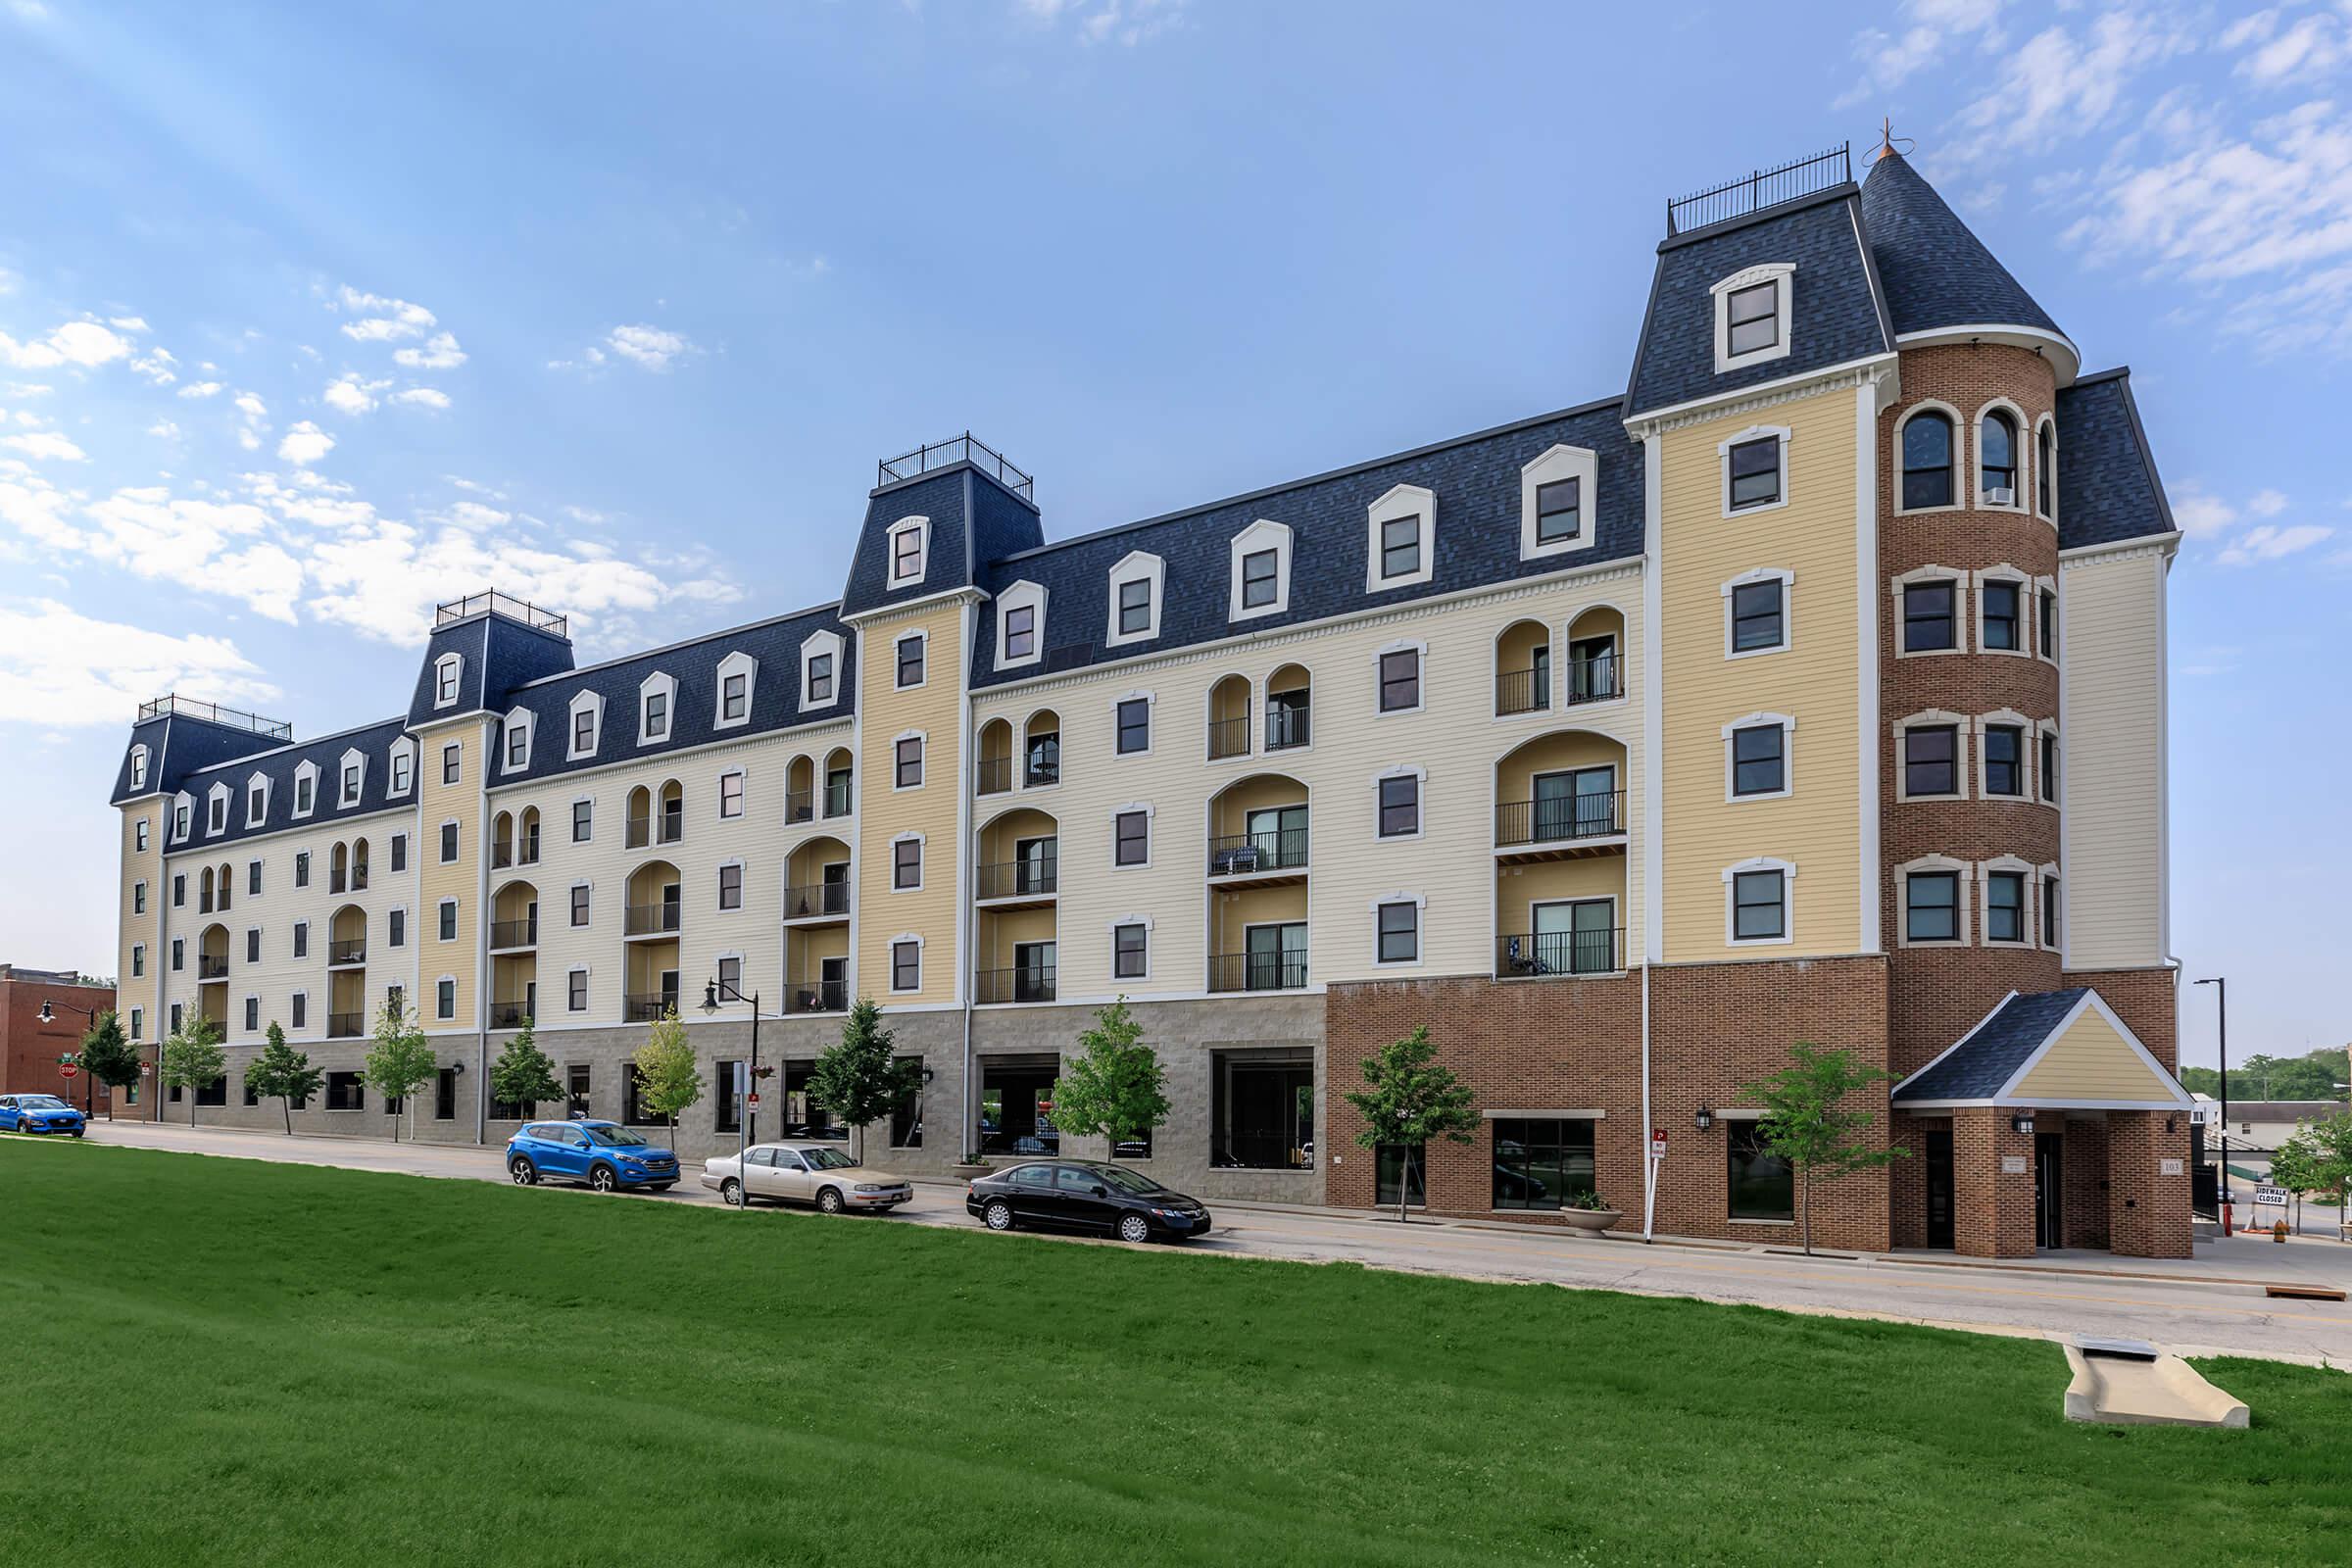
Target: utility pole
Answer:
pixel 2220 985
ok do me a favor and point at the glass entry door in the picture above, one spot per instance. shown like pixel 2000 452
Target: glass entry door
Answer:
pixel 1277 956
pixel 1578 937
pixel 1940 1188
pixel 1576 803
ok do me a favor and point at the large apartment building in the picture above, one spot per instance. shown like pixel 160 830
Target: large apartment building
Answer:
pixel 1811 688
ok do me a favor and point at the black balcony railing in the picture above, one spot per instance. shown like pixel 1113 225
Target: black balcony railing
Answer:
pixel 1034 877
pixel 816 898
pixel 799 805
pixel 1523 691
pixel 209 967
pixel 1041 770
pixel 524 933
pixel 1287 726
pixel 336 882
pixel 964 448
pixel 1253 853
pixel 667 828
pixel 1229 737
pixel 648 919
pixel 1257 971
pixel 346 1025
pixel 1561 820
pixel 342 953
pixel 507 605
pixel 502 855
pixel 358 879
pixel 214 713
pixel 1549 953
pixel 508 1014
pixel 1764 188
pixel 644 1006
pixel 837 799
pixel 1031 984
pixel 817 995
pixel 1594 680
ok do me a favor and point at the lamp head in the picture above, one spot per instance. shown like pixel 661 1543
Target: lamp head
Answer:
pixel 711 996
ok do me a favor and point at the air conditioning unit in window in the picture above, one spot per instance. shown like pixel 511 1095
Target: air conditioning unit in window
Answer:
pixel 2001 496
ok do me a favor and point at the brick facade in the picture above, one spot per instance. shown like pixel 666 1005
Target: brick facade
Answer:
pixel 30 1048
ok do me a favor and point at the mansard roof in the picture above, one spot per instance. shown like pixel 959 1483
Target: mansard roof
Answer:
pixel 373 742
pixel 1936 272
pixel 2108 488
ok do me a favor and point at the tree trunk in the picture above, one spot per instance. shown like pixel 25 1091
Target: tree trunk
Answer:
pixel 286 1105
pixel 1405 1181
pixel 1806 1207
pixel 191 1104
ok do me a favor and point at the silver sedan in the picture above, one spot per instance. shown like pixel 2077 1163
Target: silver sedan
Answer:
pixel 813 1173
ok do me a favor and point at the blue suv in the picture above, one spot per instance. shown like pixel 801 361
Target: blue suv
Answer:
pixel 38 1113
pixel 604 1155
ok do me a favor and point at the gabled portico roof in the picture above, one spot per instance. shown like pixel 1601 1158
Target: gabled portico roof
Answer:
pixel 2060 1049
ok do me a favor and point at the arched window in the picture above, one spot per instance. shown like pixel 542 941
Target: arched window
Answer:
pixel 1997 458
pixel 2046 470
pixel 1927 462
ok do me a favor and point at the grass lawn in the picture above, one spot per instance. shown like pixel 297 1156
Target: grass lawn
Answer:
pixel 215 1360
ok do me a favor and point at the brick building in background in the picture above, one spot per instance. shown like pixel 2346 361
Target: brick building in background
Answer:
pixel 29 1049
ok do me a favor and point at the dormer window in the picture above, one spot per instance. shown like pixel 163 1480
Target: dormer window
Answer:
pixel 909 546
pixel 1020 624
pixel 1559 495
pixel 180 817
pixel 1135 587
pixel 518 740
pixel 654 699
pixel 215 810
pixel 587 722
pixel 404 766
pixel 449 672
pixel 820 678
pixel 256 801
pixel 138 767
pixel 1752 316
pixel 1559 510
pixel 735 672
pixel 1020 632
pixel 1401 546
pixel 355 776
pixel 820 669
pixel 306 788
pixel 1261 572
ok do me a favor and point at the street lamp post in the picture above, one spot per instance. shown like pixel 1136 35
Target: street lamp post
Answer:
pixel 89 1089
pixel 2221 988
pixel 746 1117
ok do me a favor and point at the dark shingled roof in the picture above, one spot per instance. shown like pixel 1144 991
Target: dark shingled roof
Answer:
pixel 373 742
pixel 1936 272
pixel 2107 485
pixel 1992 1052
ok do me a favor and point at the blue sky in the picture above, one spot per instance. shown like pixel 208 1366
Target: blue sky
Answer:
pixel 311 316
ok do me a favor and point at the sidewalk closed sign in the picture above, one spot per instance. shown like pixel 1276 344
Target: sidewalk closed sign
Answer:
pixel 2275 1196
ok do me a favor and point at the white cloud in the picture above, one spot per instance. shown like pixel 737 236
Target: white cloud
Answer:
pixel 2058 84
pixel 200 389
pixel 156 366
pixel 305 444
pixel 382 319
pixel 164 428
pixel 252 406
pixel 349 393
pixel 249 440
pixel 128 323
pixel 83 343
pixel 2267 503
pixel 59 667
pixel 422 397
pixel 2269 542
pixel 29 9
pixel 45 445
pixel 440 353
pixel 2317 45
pixel 2201 515
pixel 1126 23
pixel 651 347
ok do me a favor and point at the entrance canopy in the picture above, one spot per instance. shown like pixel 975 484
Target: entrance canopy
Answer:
pixel 2064 1050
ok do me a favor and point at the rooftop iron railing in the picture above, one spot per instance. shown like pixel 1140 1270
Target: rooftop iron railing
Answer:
pixel 1761 188
pixel 507 605
pixel 214 714
pixel 966 448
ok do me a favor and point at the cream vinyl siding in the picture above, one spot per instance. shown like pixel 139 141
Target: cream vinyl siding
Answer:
pixel 2092 1061
pixel 1817 826
pixel 437 803
pixel 276 911
pixel 1453 737
pixel 2111 759
pixel 136 929
pixel 759 838
pixel 885 813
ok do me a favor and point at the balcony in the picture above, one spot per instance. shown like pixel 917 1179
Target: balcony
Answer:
pixel 346 1025
pixel 992 986
pixel 646 1006
pixel 799 805
pixel 1530 956
pixel 1012 883
pixel 1568 823
pixel 508 1014
pixel 1039 772
pixel 347 955
pixel 1522 691
pixel 817 902
pixel 1257 972
pixel 993 775
pixel 1594 680
pixel 1287 727
pixel 817 995
pixel 511 935
pixel 1258 856
pixel 209 967
pixel 650 920
pixel 667 828
pixel 1229 737
pixel 502 855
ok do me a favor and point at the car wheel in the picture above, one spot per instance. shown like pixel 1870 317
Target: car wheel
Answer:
pixel 997 1216
pixel 1134 1228
pixel 525 1173
pixel 77 1132
pixel 730 1193
pixel 829 1201
pixel 602 1178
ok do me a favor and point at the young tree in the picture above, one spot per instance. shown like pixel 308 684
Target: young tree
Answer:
pixel 1408 1100
pixel 2295 1165
pixel 108 1059
pixel 2330 1166
pixel 1115 1088
pixel 667 1079
pixel 192 1056
pixel 862 1080
pixel 402 1060
pixel 523 1074
pixel 1806 1121
pixel 281 1073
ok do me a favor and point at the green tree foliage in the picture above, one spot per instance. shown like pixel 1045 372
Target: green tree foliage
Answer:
pixel 281 1073
pixel 1808 1120
pixel 667 1079
pixel 862 1079
pixel 108 1057
pixel 1115 1089
pixel 1407 1099
pixel 523 1074
pixel 2313 1076
pixel 402 1060
pixel 192 1056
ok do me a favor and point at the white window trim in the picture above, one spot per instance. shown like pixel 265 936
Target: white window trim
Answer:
pixel 889 961
pixel 2023 452
pixel 1420 777
pixel 1417 502
pixel 403 749
pixel 2027 912
pixel 1151 835
pixel 570 816
pixel 215 810
pixel 1963 456
pixel 302 998
pixel 1731 767
pixel 2029 745
pixel 1022 595
pixel 138 896
pixel 451 981
pixel 741 664
pixel 743 798
pixel 138 959
pixel 2041 795
pixel 1731 875
pixel 743 886
pixel 1112 930
pixel 1262 535
pixel 2047 422
pixel 922 860
pixel 667 686
pixel 568 890
pixel 2044 876
pixel 449 671
pixel 923 738
pixel 449 907
pixel 1722 467
pixel 1961 610
pixel 524 723
pixel 399 911
pixel 2048 585
pixel 1962 901
pixel 138 767
pixel 1137 566
pixel 593 704
pixel 1150 701
pixel 921 635
pixel 438 857
pixel 1783 273
pixel 1749 579
pixel 184 818
pixel 1420 652
pixel 343 768
pixel 1554 464
pixel 815 645
pixel 255 817
pixel 1420 904
pixel 891 579
pixel 1963 770
pixel 587 1001
pixel 2026 609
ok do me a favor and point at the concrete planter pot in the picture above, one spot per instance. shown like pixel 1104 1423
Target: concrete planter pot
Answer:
pixel 966 1174
pixel 1595 1220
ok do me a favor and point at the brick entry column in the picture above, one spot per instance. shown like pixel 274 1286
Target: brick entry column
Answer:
pixel 2147 1210
pixel 1992 1209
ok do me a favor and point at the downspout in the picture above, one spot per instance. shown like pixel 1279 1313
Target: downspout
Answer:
pixel 482 918
pixel 1654 791
pixel 966 840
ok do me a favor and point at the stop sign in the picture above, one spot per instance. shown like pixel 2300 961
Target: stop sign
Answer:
pixel 67 1069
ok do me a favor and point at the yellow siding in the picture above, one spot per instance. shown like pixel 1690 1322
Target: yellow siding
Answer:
pixel 1816 681
pixel 2092 1061
pixel 885 813
pixel 2111 760
pixel 462 879
pixel 141 930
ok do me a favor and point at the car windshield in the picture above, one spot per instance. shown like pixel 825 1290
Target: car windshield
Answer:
pixel 1121 1179
pixel 41 1102
pixel 616 1137
pixel 826 1159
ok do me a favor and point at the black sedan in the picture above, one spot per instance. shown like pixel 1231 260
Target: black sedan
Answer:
pixel 1085 1195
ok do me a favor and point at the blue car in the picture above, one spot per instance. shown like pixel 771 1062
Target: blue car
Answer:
pixel 39 1113
pixel 604 1155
